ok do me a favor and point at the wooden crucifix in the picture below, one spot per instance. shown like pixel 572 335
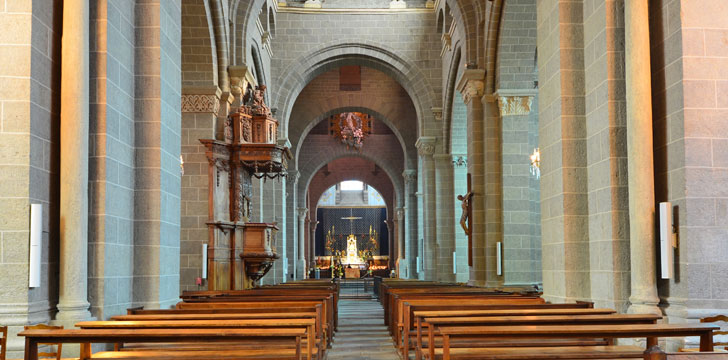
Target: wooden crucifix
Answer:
pixel 466 218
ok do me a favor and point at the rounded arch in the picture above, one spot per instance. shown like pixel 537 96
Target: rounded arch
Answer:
pixel 271 23
pixel 382 184
pixel 362 109
pixel 466 13
pixel 263 17
pixel 199 35
pixel 307 176
pixel 336 54
pixel 441 22
pixel 452 77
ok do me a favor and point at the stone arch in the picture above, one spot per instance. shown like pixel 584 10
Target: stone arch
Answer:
pixel 452 78
pixel 363 109
pixel 271 23
pixel 337 54
pixel 492 36
pixel 441 22
pixel 466 11
pixel 243 9
pixel 519 50
pixel 199 60
pixel 318 162
pixel 263 17
pixel 383 184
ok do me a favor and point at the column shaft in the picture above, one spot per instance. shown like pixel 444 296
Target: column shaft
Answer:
pixel 73 293
pixel 445 193
pixel 426 147
pixel 641 177
pixel 300 267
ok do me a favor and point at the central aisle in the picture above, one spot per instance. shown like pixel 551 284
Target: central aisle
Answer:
pixel 362 334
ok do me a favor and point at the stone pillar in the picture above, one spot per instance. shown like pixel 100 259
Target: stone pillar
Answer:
pixel 409 240
pixel 312 244
pixel 73 304
pixel 426 148
pixel 390 237
pixel 471 87
pixel 445 193
pixel 300 268
pixel 399 215
pixel 643 297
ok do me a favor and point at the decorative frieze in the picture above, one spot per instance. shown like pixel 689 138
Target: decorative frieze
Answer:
pixel 200 104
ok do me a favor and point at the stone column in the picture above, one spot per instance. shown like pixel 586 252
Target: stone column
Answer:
pixel 73 302
pixel 400 239
pixel 445 193
pixel 641 177
pixel 471 87
pixel 390 236
pixel 300 268
pixel 426 148
pixel 312 244
pixel 409 241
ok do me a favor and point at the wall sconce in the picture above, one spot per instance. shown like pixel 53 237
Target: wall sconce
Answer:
pixel 536 163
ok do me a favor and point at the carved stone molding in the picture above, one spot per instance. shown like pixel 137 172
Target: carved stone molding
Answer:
pixel 312 4
pixel 446 43
pixel 437 112
pixel 410 177
pixel 200 104
pixel 399 212
pixel 515 105
pixel 302 212
pixel 472 84
pixel 426 145
pixel 397 4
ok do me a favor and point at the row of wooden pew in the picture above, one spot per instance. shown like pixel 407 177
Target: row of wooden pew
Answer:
pixel 436 321
pixel 288 321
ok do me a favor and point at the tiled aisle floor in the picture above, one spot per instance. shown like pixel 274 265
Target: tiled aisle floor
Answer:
pixel 362 334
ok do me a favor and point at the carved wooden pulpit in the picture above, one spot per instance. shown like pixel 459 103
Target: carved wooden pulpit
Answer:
pixel 241 252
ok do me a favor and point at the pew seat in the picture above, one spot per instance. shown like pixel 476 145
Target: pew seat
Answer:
pixel 535 353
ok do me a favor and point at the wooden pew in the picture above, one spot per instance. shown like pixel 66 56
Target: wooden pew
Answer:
pixel 263 302
pixel 530 332
pixel 307 324
pixel 527 319
pixel 86 337
pixel 403 322
pixel 655 353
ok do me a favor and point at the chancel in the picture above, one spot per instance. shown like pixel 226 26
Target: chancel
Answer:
pixel 301 177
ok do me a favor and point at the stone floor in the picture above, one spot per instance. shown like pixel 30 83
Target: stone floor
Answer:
pixel 362 334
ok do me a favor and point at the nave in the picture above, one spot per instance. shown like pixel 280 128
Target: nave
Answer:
pixel 362 333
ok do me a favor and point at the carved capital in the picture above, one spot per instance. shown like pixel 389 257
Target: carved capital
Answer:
pixel 200 104
pixel 472 84
pixel 426 145
pixel 514 105
pixel 410 177
pixel 302 212
pixel 437 112
pixel 293 176
pixel 459 160
pixel 397 4
pixel 399 212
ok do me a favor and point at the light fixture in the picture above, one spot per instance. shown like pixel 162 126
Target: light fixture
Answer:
pixel 536 163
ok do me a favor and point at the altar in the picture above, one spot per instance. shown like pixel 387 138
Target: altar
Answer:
pixel 352 253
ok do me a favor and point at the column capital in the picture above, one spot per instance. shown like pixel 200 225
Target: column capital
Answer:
pixel 302 211
pixel 399 213
pixel 410 176
pixel 201 99
pixel 293 176
pixel 437 113
pixel 472 84
pixel 426 145
pixel 515 102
